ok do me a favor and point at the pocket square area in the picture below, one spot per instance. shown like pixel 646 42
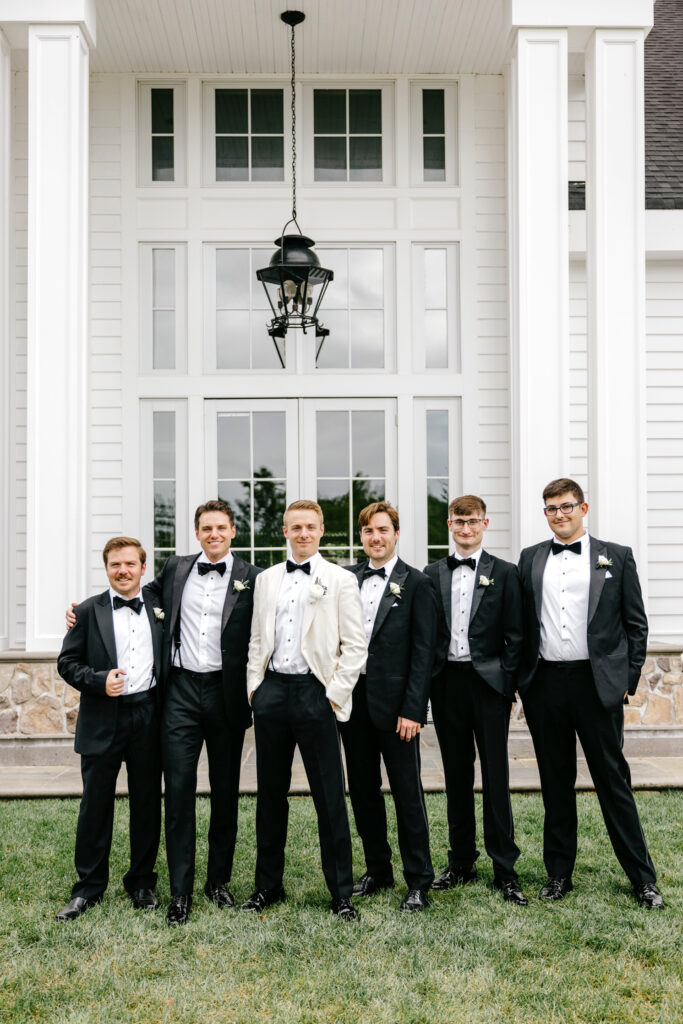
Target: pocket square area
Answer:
pixel 608 575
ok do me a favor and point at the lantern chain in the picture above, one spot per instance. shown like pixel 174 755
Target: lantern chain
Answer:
pixel 293 128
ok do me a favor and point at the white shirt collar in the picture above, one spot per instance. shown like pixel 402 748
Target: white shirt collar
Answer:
pixel 114 593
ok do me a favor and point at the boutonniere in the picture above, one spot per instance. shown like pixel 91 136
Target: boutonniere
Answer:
pixel 484 581
pixel 159 614
pixel 603 562
pixel 317 589
pixel 240 585
pixel 395 589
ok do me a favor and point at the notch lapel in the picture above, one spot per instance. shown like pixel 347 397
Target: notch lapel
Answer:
pixel 388 599
pixel 274 583
pixel 598 576
pixel 240 571
pixel 104 615
pixel 537 568
pixel 183 570
pixel 483 569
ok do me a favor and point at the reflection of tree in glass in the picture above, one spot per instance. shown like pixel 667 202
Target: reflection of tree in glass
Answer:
pixel 164 521
pixel 269 505
pixel 336 510
pixel 437 514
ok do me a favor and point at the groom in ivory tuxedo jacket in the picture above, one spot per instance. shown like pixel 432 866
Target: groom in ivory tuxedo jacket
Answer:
pixel 306 650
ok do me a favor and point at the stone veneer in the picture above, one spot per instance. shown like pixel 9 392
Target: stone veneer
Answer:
pixel 36 702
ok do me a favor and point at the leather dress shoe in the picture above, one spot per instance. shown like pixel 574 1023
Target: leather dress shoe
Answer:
pixel 344 909
pixel 144 899
pixel 555 888
pixel 76 906
pixel 369 884
pixel 179 910
pixel 649 896
pixel 262 898
pixel 459 875
pixel 414 901
pixel 511 892
pixel 218 894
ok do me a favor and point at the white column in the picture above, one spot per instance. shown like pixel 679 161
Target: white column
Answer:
pixel 615 221
pixel 5 150
pixel 57 329
pixel 539 270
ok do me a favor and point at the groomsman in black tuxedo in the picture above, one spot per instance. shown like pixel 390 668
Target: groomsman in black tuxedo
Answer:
pixel 389 708
pixel 479 648
pixel 113 656
pixel 585 642
pixel 207 601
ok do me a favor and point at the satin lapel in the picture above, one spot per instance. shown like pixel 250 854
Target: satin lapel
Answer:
pixel 537 569
pixel 388 599
pixel 105 621
pixel 357 571
pixel 445 584
pixel 156 627
pixel 240 571
pixel 182 571
pixel 270 598
pixel 598 576
pixel 483 569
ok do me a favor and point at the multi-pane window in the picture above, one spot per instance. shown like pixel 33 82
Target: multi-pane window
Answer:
pixel 247 132
pixel 434 134
pixel 163 323
pixel 437 483
pixel 164 473
pixel 161 133
pixel 436 307
pixel 347 135
pixel 163 309
pixel 354 309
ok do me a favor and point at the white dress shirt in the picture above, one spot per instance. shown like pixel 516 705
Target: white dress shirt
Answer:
pixel 201 611
pixel 289 618
pixel 134 651
pixel 371 593
pixel 463 582
pixel 564 609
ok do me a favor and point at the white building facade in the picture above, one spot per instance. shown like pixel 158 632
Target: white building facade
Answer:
pixel 483 338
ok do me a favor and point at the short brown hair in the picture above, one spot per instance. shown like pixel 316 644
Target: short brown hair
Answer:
pixel 302 504
pixel 563 485
pixel 366 514
pixel 114 543
pixel 465 505
pixel 214 505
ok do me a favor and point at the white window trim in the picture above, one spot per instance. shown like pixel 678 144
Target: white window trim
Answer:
pixel 147 409
pixel 453 312
pixel 420 408
pixel 209 132
pixel 451 125
pixel 388 133
pixel 144 133
pixel 146 279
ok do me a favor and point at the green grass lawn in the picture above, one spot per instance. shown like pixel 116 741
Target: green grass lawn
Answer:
pixel 594 957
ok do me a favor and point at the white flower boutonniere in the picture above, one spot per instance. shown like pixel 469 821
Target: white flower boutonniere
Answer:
pixel 317 589
pixel 603 563
pixel 396 590
pixel 484 581
pixel 240 585
pixel 159 614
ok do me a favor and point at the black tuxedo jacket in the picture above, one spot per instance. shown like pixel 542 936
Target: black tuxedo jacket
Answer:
pixel 617 623
pixel 88 654
pixel 401 649
pixel 167 589
pixel 495 626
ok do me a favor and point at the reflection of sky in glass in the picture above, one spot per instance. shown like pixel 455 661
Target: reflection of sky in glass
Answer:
pixel 437 442
pixel 366 279
pixel 332 429
pixel 163 427
pixel 263 352
pixel 336 260
pixel 366 329
pixel 269 443
pixel 232 339
pixel 163 343
pixel 163 278
pixel 435 278
pixel 232 278
pixel 335 350
pixel 234 446
pixel 436 339
pixel 367 435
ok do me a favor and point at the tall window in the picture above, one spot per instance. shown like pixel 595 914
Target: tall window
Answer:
pixel 245 130
pixel 164 444
pixel 436 314
pixel 349 140
pixel 437 436
pixel 434 134
pixel 163 323
pixel 161 133
pixel 437 484
pixel 356 308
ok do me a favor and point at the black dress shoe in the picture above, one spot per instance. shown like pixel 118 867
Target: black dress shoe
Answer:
pixel 344 909
pixel 262 898
pixel 511 892
pixel 144 899
pixel 649 896
pixel 369 884
pixel 556 888
pixel 179 910
pixel 459 875
pixel 76 906
pixel 218 894
pixel 414 901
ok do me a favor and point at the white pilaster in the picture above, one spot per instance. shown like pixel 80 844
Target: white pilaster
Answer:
pixel 57 329
pixel 5 150
pixel 616 284
pixel 539 272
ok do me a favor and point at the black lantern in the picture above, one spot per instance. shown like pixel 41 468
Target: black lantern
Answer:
pixel 294 281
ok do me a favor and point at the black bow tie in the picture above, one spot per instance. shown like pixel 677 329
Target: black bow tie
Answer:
pixel 204 567
pixel 367 573
pixel 304 567
pixel 557 548
pixel 135 604
pixel 454 563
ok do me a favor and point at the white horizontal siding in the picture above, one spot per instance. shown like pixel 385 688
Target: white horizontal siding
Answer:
pixel 578 375
pixel 577 128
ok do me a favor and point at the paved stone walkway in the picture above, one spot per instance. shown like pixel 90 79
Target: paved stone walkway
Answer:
pixel 64 780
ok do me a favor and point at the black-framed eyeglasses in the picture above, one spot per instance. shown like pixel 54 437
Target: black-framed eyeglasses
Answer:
pixel 460 524
pixel 566 509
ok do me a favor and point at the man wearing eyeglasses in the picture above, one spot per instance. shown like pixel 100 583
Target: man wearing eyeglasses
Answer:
pixel 585 641
pixel 479 648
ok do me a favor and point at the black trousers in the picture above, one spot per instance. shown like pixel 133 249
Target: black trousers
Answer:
pixel 290 710
pixel 136 742
pixel 364 745
pixel 562 703
pixel 194 714
pixel 466 709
